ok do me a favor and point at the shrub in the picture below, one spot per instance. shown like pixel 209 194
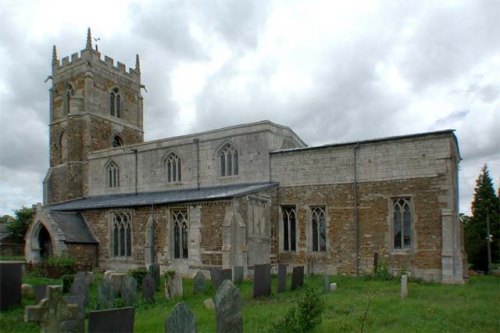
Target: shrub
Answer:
pixel 67 281
pixel 55 266
pixel 138 274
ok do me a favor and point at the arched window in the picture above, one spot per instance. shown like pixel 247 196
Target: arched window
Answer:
pixel 117 141
pixel 173 168
pixel 121 235
pixel 228 157
pixel 115 102
pixel 68 92
pixel 288 228
pixel 318 221
pixel 402 223
pixel 113 174
pixel 180 236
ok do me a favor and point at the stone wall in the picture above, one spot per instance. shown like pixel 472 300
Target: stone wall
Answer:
pixel 84 254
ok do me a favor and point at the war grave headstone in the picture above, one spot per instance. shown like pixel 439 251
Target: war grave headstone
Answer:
pixel 76 324
pixel 105 295
pixel 112 321
pixel 40 292
pixel 52 312
pixel 182 320
pixel 238 273
pixel 227 274
pixel 10 283
pixel 262 280
pixel 216 277
pixel 199 283
pixel 129 291
pixel 297 277
pixel 148 288
pixel 228 304
pixel 154 271
pixel 281 278
pixel 173 286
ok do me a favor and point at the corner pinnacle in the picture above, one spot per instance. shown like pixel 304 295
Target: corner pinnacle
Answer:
pixel 137 63
pixel 89 40
pixel 54 56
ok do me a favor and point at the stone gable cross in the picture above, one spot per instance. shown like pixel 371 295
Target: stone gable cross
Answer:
pixel 52 311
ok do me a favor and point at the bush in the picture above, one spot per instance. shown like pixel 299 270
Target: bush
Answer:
pixel 138 274
pixel 305 316
pixel 56 266
pixel 67 281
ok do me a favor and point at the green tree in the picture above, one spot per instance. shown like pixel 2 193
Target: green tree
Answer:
pixel 485 204
pixel 20 223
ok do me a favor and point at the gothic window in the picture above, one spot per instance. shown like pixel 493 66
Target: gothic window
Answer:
pixel 173 168
pixel 121 238
pixel 180 234
pixel 402 223
pixel 115 102
pixel 113 174
pixel 228 157
pixel 117 141
pixel 289 228
pixel 318 228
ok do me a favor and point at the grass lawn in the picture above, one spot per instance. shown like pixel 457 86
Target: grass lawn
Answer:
pixel 473 307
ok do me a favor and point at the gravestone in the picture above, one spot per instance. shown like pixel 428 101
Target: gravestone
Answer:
pixel 199 283
pixel 216 277
pixel 228 304
pixel 262 280
pixel 182 320
pixel 209 304
pixel 80 287
pixel 326 283
pixel 10 283
pixel 129 291
pixel 112 321
pixel 27 291
pixel 105 295
pixel 404 286
pixel 281 278
pixel 333 286
pixel 238 273
pixel 52 311
pixel 297 277
pixel 116 280
pixel 148 288
pixel 227 274
pixel 173 286
pixel 40 292
pixel 154 271
pixel 88 277
pixel 75 324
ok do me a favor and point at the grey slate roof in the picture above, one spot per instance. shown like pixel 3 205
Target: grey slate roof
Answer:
pixel 155 198
pixel 73 226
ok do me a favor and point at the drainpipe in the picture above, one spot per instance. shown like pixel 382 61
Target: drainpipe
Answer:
pixel 136 171
pixel 356 219
pixel 197 142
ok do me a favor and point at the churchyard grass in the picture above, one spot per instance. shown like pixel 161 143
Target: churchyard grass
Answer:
pixel 376 305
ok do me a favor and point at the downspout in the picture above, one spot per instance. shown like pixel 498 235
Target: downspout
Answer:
pixel 136 171
pixel 197 142
pixel 356 219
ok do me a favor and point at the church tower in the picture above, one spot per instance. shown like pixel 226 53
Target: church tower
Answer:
pixel 93 105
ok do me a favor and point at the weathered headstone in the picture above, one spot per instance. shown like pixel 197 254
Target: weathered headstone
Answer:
pixel 333 286
pixel 199 283
pixel 112 321
pixel 40 292
pixel 148 288
pixel 105 295
pixel 129 291
pixel 297 277
pixel 404 286
pixel 10 283
pixel 80 287
pixel 228 304
pixel 173 286
pixel 262 280
pixel 116 280
pixel 154 271
pixel 326 283
pixel 76 324
pixel 281 278
pixel 216 277
pixel 52 311
pixel 227 274
pixel 27 290
pixel 238 273
pixel 182 320
pixel 88 277
pixel 209 304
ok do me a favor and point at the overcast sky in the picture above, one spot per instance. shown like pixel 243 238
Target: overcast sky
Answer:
pixel 333 71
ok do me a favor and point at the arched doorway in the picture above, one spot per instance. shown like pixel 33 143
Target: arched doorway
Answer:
pixel 44 242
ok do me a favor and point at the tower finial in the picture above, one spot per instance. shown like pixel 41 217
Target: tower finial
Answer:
pixel 89 40
pixel 54 56
pixel 137 63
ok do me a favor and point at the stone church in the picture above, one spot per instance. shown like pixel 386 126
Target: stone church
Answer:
pixel 237 196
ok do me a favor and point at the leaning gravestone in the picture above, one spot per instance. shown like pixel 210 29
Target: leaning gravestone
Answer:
pixel 52 311
pixel 281 278
pixel 238 273
pixel 40 292
pixel 297 277
pixel 216 277
pixel 129 291
pixel 154 271
pixel 227 274
pixel 199 283
pixel 182 320
pixel 76 324
pixel 112 321
pixel 262 280
pixel 173 286
pixel 228 306
pixel 148 288
pixel 10 283
pixel 105 295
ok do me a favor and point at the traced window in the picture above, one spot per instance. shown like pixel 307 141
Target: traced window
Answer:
pixel 289 224
pixel 173 168
pixel 318 224
pixel 113 174
pixel 115 102
pixel 117 141
pixel 121 235
pixel 180 227
pixel 402 223
pixel 228 161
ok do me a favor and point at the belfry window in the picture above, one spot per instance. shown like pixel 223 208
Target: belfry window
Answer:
pixel 228 161
pixel 402 223
pixel 121 237
pixel 113 175
pixel 173 168
pixel 180 233
pixel 117 141
pixel 289 228
pixel 115 103
pixel 318 228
